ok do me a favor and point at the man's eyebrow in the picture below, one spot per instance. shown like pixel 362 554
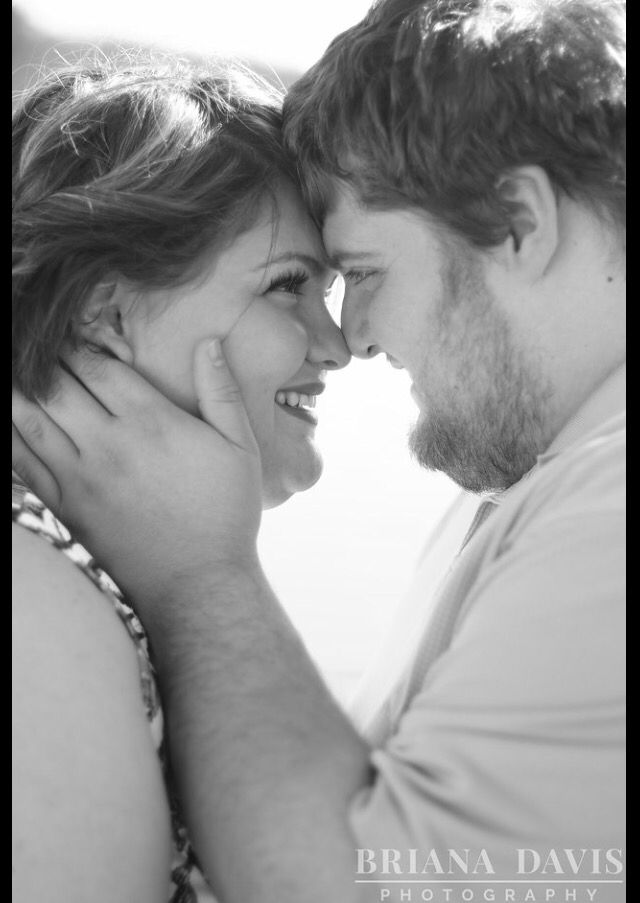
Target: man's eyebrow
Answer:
pixel 315 264
pixel 338 259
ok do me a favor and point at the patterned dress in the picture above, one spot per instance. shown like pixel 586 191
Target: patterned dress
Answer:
pixel 187 883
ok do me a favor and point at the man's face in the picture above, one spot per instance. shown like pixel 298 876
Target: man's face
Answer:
pixel 424 303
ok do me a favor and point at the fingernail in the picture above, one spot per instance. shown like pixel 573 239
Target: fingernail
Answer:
pixel 215 353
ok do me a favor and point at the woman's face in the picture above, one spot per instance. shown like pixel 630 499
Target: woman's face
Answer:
pixel 266 296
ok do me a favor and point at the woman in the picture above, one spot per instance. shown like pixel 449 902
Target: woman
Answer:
pixel 153 208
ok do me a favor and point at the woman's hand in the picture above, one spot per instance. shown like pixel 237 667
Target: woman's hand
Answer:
pixel 155 494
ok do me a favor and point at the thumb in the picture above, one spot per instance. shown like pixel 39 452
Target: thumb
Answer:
pixel 219 399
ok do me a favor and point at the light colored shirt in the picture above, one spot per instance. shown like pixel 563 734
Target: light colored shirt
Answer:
pixel 506 730
pixel 414 612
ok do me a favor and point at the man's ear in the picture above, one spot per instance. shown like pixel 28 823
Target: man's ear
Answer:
pixel 103 319
pixel 533 240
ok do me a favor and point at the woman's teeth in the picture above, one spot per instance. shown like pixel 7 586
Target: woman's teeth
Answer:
pixel 296 400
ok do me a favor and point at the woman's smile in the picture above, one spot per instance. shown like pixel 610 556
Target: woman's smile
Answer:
pixel 279 347
pixel 300 401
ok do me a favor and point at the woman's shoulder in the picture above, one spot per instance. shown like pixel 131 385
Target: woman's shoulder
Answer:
pixel 80 653
pixel 57 583
pixel 61 554
pixel 85 765
pixel 48 589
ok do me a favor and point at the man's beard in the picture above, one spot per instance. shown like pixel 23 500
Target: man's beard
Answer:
pixel 485 409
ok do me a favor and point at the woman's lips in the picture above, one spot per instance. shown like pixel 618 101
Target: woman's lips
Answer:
pixel 306 414
pixel 300 400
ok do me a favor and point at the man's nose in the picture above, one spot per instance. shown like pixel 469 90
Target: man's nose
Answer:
pixel 356 331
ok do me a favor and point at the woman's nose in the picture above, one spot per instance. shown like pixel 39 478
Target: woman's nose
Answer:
pixel 327 346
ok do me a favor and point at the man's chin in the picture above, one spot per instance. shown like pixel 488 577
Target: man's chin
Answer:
pixel 446 452
pixel 472 465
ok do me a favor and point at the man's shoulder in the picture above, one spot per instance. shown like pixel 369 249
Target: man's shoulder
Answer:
pixel 583 481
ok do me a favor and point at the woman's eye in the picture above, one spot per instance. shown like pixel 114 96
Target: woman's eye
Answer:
pixel 289 283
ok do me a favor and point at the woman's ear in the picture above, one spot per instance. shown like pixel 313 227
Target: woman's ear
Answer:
pixel 533 240
pixel 103 319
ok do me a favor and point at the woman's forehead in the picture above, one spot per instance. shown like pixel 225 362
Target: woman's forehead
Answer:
pixel 282 231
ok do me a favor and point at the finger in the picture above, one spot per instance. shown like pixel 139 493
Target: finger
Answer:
pixel 219 398
pixel 115 385
pixel 74 408
pixel 46 439
pixel 36 475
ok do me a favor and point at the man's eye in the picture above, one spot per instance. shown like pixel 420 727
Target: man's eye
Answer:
pixel 355 277
pixel 289 283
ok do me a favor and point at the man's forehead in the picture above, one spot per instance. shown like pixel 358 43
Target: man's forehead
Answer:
pixel 348 225
pixel 352 229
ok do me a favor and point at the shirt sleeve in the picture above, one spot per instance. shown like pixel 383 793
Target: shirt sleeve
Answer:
pixel 516 738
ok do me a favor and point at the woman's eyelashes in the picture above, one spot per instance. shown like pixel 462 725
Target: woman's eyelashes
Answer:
pixel 296 283
pixel 289 283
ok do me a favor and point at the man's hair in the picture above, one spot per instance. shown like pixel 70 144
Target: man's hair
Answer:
pixel 427 104
pixel 134 169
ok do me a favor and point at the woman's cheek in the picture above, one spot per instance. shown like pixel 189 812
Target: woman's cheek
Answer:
pixel 168 365
pixel 267 348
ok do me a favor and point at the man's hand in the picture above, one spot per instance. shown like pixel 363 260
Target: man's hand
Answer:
pixel 126 470
pixel 265 762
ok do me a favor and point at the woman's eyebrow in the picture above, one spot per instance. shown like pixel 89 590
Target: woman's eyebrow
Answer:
pixel 316 265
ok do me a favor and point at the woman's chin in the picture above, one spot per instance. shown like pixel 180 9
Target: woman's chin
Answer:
pixel 277 488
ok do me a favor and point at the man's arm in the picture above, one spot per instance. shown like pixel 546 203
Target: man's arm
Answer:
pixel 266 760
pixel 90 817
pixel 272 773
pixel 267 763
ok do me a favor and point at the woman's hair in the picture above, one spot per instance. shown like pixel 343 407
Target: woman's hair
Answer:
pixel 132 169
pixel 426 103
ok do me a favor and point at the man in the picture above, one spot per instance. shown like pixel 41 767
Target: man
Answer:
pixel 465 162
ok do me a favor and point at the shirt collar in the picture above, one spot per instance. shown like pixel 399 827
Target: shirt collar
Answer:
pixel 600 414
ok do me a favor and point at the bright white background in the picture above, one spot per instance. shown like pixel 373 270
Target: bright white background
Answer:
pixel 285 33
pixel 341 554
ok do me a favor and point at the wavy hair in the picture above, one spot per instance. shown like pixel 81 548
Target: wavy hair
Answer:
pixel 129 167
pixel 426 104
